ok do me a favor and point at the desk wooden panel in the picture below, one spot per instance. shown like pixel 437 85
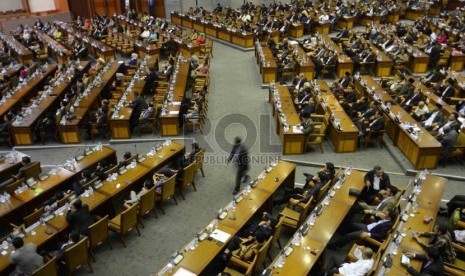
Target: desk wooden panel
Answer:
pixel 393 16
pixel 457 62
pixel 176 18
pixel 418 61
pixel 293 143
pixel 347 22
pixel 423 153
pixel 197 260
pixel 366 20
pixel 242 39
pixel 301 261
pixel 296 30
pixel 344 140
pixel 413 14
pixel 211 30
pixel 9 207
pixel 27 91
pixel 170 120
pixel 429 201
pixel 322 28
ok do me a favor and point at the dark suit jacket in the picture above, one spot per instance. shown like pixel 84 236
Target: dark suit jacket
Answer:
pixel 138 105
pixel 380 231
pixel 448 92
pixel 435 268
pixel 80 219
pixel 243 155
pixel 383 183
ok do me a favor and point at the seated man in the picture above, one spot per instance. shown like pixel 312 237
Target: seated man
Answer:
pixel 441 239
pixel 419 112
pixel 375 181
pixel 265 227
pixel 434 118
pixel 127 155
pixel 307 126
pixel 328 170
pixel 376 230
pixel 363 264
pixel 146 115
pixel 432 262
pixel 25 163
pixel 412 100
pixel 134 198
pixel 25 258
pixel 375 124
pixel 244 249
pixel 303 195
pixel 452 123
pixel 78 186
pixel 59 253
pixel 388 202
pixel 79 217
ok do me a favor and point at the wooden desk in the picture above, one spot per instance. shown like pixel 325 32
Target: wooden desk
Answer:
pixel 322 28
pixel 347 22
pixel 7 168
pixel 423 153
pixel 170 120
pixel 39 239
pixel 95 47
pixel 176 18
pixel 266 63
pixel 418 60
pixel 242 39
pixel 22 54
pixel 60 52
pixel 457 62
pixel 93 201
pixel 345 139
pixel 304 64
pixel 197 260
pixel 69 131
pixel 301 261
pixel 296 30
pixel 22 131
pixel 428 201
pixel 393 17
pixel 413 14
pixel 344 62
pixel 26 91
pixel 283 105
pixel 383 63
pixel 119 121
pixel 366 20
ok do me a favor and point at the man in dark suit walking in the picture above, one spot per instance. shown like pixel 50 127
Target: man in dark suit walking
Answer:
pixel 240 156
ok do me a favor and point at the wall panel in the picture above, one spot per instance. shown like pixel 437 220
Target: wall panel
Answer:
pixel 41 5
pixel 11 5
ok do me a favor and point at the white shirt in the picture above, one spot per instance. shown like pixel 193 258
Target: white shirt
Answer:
pixel 358 268
pixel 374 224
pixel 431 118
pixel 441 130
pixel 421 110
pixel 323 18
pixel 376 181
pixel 382 202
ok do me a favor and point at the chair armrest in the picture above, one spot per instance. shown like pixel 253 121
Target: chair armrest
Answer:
pixel 461 224
pixel 238 262
pixel 372 241
pixel 458 247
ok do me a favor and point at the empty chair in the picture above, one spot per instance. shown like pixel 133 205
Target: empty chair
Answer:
pixel 187 179
pixel 34 217
pixel 199 161
pixel 293 218
pixel 168 190
pixel 98 233
pixel 76 256
pixel 276 234
pixel 125 222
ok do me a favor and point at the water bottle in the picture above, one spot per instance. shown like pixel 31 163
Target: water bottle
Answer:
pixel 298 239
pixel 14 154
pixel 349 170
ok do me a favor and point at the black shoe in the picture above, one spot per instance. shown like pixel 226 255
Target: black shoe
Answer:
pixel 245 178
pixel 235 192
